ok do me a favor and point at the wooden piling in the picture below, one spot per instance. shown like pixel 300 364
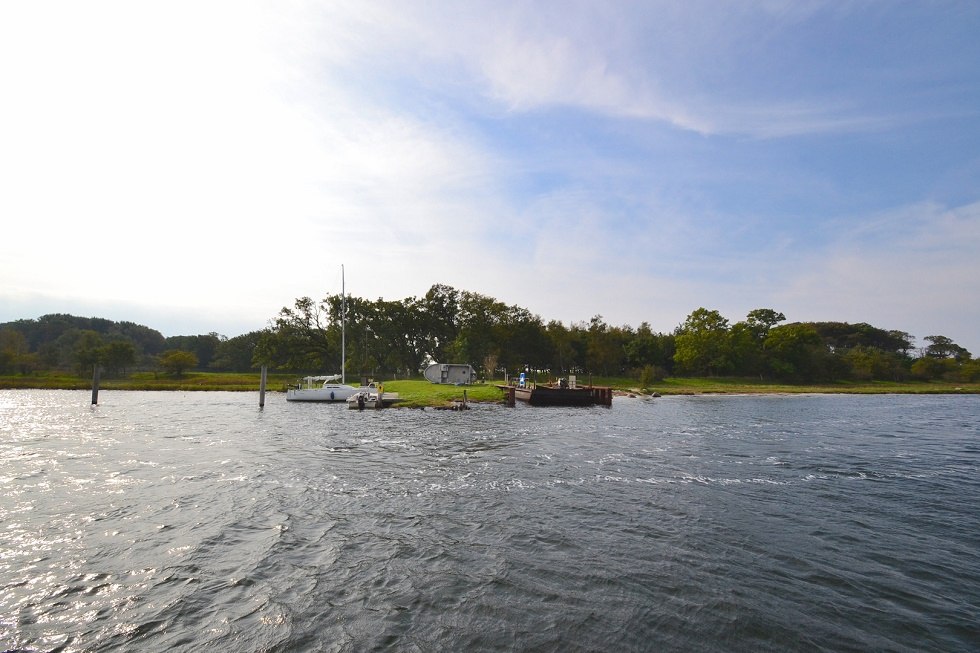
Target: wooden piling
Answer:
pixel 262 379
pixel 95 385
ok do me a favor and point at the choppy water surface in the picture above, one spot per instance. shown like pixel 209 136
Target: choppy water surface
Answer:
pixel 183 521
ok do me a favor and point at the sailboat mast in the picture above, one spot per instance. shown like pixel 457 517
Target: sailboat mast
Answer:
pixel 343 328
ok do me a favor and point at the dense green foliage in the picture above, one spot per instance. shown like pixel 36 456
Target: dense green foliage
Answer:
pixel 178 361
pixel 397 339
pixel 67 342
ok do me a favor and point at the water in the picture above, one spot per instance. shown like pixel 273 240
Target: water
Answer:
pixel 189 521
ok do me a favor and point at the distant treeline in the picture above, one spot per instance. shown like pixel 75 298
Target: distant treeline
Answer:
pixel 401 337
pixel 67 342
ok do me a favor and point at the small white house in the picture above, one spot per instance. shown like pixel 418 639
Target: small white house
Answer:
pixel 452 373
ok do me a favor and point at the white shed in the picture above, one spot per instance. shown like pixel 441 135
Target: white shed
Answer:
pixel 452 373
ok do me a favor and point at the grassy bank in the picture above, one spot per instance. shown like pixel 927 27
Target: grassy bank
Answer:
pixel 750 386
pixel 418 393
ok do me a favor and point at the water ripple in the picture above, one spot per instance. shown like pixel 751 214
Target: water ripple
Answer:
pixel 182 521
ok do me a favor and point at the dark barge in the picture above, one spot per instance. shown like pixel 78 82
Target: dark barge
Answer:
pixel 558 395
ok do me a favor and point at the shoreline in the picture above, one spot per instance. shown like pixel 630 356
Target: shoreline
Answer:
pixel 422 394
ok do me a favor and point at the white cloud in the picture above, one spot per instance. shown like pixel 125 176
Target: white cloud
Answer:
pixel 235 154
pixel 170 156
pixel 914 269
pixel 703 67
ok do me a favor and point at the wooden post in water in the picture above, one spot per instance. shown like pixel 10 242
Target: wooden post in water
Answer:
pixel 95 385
pixel 262 379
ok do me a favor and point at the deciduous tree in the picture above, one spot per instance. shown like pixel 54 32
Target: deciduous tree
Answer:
pixel 943 347
pixel 794 352
pixel 117 356
pixel 177 361
pixel 702 343
pixel 13 349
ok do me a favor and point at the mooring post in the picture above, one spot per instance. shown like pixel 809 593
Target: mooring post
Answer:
pixel 262 378
pixel 95 385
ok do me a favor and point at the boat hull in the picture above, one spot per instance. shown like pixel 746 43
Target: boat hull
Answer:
pixel 325 394
pixel 372 400
pixel 544 396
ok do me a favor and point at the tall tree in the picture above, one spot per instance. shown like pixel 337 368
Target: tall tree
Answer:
pixel 702 343
pixel 203 346
pixel 605 352
pixel 87 350
pixel 305 337
pixel 795 352
pixel 565 356
pixel 522 340
pixel 117 356
pixel 840 336
pixel 479 317
pixel 441 320
pixel 747 338
pixel 763 319
pixel 177 361
pixel 13 349
pixel 903 340
pixel 235 354
pixel 943 347
pixel 646 348
pixel 874 364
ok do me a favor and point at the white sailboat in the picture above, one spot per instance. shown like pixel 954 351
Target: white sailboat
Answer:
pixel 325 388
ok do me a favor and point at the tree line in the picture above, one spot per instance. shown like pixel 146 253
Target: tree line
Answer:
pixel 67 342
pixel 385 338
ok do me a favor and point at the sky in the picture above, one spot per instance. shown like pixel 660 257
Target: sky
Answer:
pixel 197 166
